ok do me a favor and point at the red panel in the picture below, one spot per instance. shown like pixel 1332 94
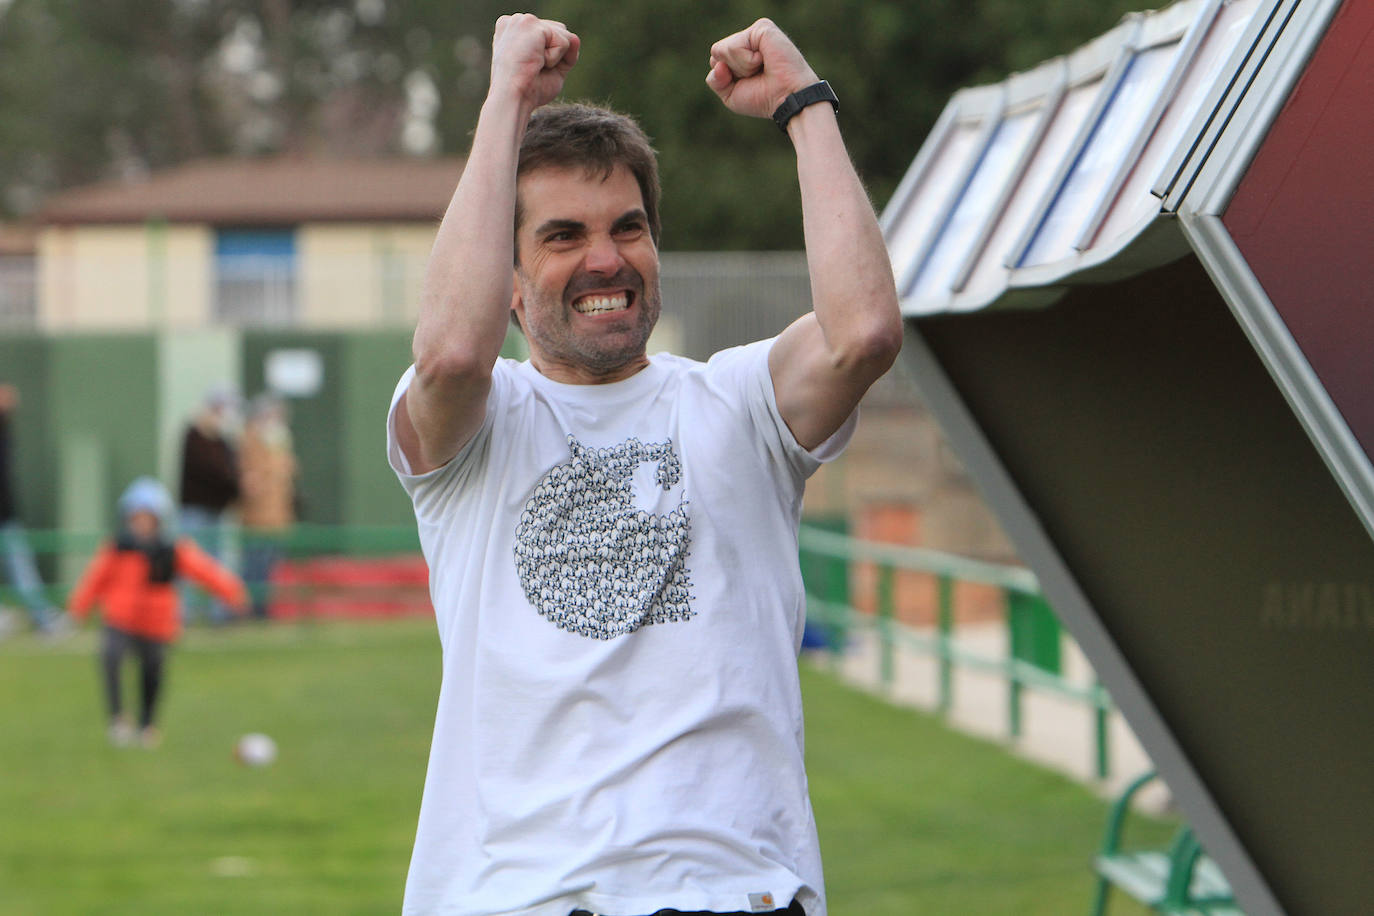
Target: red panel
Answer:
pixel 1303 215
pixel 332 586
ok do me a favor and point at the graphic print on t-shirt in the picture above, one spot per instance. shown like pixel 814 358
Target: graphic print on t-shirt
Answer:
pixel 592 563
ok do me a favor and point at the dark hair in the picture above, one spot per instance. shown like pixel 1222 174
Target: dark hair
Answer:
pixel 577 135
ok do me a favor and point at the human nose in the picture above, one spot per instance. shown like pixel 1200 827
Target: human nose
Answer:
pixel 603 256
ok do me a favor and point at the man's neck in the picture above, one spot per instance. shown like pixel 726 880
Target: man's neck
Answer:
pixel 572 374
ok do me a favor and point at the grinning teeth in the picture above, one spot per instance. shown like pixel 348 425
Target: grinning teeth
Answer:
pixel 593 305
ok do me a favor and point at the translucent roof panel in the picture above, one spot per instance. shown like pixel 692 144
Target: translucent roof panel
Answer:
pixel 1212 57
pixel 1031 189
pixel 1203 71
pixel 910 232
pixel 984 190
pixel 1055 171
pixel 1248 38
pixel 989 271
pixel 1112 138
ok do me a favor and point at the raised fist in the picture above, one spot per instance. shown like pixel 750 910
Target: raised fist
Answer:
pixel 531 57
pixel 753 71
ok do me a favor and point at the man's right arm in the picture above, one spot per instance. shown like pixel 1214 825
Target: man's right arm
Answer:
pixel 466 297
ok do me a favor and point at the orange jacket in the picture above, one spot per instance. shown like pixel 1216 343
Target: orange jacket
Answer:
pixel 120 581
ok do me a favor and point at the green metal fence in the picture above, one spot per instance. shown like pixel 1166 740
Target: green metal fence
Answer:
pixel 1032 661
pixel 828 560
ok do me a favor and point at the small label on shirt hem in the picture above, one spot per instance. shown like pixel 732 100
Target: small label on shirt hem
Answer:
pixel 762 903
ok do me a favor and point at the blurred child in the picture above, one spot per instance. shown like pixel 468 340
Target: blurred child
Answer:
pixel 133 579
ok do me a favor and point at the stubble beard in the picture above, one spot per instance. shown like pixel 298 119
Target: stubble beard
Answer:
pixel 548 324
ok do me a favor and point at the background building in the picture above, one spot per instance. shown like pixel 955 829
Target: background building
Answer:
pixel 282 242
pixel 128 300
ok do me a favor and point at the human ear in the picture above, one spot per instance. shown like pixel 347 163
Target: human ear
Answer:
pixel 517 301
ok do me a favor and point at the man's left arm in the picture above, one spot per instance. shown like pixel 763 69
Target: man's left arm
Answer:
pixel 824 362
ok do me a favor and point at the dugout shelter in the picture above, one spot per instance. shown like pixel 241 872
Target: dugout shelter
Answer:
pixel 1135 282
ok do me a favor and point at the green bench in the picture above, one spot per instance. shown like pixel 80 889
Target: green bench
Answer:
pixel 1178 881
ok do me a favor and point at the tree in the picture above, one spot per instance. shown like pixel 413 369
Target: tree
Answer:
pixel 729 182
pixel 109 89
pixel 75 103
pixel 93 91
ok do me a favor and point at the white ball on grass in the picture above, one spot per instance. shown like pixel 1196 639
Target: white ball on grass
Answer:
pixel 255 750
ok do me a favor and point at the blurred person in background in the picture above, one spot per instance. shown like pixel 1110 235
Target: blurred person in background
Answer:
pixel 14 542
pixel 612 536
pixel 132 579
pixel 267 494
pixel 209 486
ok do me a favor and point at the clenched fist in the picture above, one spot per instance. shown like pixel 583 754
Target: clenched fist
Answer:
pixel 530 57
pixel 753 71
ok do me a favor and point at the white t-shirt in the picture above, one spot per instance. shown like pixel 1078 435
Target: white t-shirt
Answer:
pixel 615 579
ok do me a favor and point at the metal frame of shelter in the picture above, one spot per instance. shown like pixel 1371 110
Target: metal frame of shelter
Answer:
pixel 1198 183
pixel 1108 163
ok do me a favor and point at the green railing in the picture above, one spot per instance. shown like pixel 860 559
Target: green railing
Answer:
pixel 827 559
pixel 1032 659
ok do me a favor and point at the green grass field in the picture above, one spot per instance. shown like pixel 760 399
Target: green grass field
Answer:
pixel 913 818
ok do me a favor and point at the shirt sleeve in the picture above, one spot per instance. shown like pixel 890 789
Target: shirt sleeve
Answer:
pixel 745 370
pixel 432 491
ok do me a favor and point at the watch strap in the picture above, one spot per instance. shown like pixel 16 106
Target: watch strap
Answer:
pixel 816 92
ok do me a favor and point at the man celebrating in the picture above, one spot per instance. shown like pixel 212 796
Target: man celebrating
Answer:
pixel 612 537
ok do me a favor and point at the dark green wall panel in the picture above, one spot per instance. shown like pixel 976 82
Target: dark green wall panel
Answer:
pixel 24 361
pixel 371 369
pixel 104 388
pixel 339 431
pixel 316 421
pixel 98 394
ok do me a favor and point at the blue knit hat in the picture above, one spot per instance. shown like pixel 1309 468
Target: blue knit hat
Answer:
pixel 146 495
